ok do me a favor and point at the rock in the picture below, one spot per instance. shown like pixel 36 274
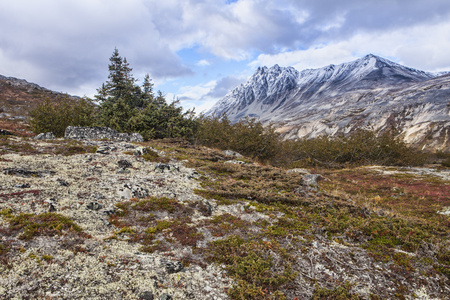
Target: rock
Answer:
pixel 235 162
pixel 62 182
pixel 146 295
pixel 124 164
pixel 123 171
pixel 27 173
pixel 5 132
pixel 51 208
pixel 103 150
pixel 161 167
pixel 298 170
pixel 45 136
pixel 125 193
pixel 109 211
pixel 232 153
pixel 165 297
pixel 22 186
pixel 194 174
pixel 174 266
pixel 99 133
pixel 94 206
pixel 140 151
pixel 445 211
pixel 311 180
pixel 309 183
pixel 128 191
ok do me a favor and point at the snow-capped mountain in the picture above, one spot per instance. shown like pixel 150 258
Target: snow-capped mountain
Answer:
pixel 371 91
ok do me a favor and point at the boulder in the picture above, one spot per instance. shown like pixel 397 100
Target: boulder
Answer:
pixel 45 136
pixel 5 132
pixel 232 153
pixel 99 133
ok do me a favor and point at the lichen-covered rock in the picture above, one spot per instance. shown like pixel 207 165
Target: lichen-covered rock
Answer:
pixel 99 133
pixel 45 136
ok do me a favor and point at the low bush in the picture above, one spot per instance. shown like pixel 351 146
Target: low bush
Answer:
pixel 55 116
pixel 361 147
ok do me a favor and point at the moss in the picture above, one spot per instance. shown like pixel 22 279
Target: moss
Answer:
pixel 250 263
pixel 47 224
pixel 342 292
pixel 150 155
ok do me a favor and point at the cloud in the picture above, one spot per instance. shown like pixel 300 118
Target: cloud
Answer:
pixel 203 63
pixel 223 86
pixel 421 46
pixel 204 96
pixel 65 45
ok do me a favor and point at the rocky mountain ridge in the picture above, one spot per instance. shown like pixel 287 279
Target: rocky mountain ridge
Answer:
pixel 17 98
pixel 369 92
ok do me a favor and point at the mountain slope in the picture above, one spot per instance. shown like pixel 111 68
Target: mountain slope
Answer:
pixel 370 91
pixel 17 98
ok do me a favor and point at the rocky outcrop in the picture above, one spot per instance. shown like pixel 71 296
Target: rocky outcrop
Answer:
pixel 100 133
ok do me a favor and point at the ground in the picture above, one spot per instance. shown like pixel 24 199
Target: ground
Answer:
pixel 104 220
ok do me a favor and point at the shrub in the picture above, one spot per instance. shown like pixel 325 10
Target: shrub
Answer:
pixel 55 116
pixel 362 147
pixel 248 136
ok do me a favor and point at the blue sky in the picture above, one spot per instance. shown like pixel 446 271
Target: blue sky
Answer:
pixel 197 51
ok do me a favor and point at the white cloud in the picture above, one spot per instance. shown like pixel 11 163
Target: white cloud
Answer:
pixel 422 47
pixel 65 45
pixel 203 63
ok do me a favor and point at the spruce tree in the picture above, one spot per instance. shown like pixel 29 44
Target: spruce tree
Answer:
pixel 126 107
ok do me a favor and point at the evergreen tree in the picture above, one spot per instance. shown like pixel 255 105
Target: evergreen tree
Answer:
pixel 125 106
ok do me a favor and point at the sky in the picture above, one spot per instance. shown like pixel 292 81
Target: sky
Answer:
pixel 198 50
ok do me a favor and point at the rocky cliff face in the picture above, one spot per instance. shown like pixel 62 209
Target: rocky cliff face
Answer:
pixel 369 92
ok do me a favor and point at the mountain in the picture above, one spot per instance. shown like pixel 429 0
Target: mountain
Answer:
pixel 369 92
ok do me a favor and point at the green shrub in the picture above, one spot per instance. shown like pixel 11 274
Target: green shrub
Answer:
pixel 55 116
pixel 248 136
pixel 362 147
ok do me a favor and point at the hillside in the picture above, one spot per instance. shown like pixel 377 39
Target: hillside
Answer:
pixel 17 98
pixel 100 220
pixel 370 92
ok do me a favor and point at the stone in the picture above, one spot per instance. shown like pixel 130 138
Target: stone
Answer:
pixel 5 132
pixel 174 266
pixel 124 164
pixel 232 153
pixel 45 136
pixel 165 297
pixel 103 150
pixel 62 182
pixel 94 206
pixel 140 151
pixel 235 162
pixel 298 170
pixel 100 133
pixel 162 167
pixel 51 208
pixel 311 180
pixel 22 186
pixel 27 173
pixel 125 193
pixel 146 295
pixel 123 171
